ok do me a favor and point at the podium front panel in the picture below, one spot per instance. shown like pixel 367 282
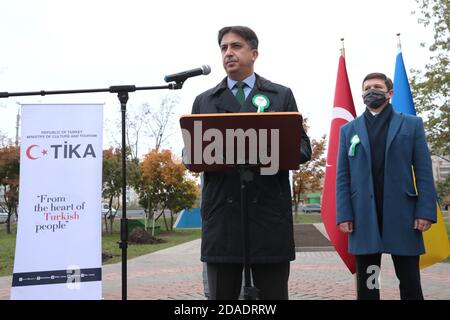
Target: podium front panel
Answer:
pixel 214 142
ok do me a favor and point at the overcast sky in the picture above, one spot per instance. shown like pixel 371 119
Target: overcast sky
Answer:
pixel 86 44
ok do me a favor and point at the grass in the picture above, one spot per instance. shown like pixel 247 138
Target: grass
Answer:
pixel 307 218
pixel 109 245
pixel 171 238
pixel 7 250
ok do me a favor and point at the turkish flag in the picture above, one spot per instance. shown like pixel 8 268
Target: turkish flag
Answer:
pixel 343 112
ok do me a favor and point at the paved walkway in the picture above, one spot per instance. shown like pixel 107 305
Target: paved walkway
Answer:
pixel 176 273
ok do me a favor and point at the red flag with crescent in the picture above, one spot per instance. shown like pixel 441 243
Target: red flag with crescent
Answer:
pixel 343 112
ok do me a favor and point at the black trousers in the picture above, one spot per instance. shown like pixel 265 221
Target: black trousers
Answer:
pixel 406 269
pixel 225 280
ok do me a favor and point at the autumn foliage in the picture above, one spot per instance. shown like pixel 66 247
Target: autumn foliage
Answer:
pixel 309 177
pixel 164 185
pixel 9 181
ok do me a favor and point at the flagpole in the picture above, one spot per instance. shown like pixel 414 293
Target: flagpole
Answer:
pixel 354 275
pixel 399 43
pixel 343 48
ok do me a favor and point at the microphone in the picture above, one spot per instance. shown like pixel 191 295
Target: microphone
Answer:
pixel 182 76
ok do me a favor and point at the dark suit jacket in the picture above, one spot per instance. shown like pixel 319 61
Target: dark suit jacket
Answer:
pixel 268 197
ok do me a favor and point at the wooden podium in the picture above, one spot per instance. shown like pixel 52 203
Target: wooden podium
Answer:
pixel 211 144
pixel 288 124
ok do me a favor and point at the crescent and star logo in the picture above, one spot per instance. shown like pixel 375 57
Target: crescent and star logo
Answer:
pixel 29 152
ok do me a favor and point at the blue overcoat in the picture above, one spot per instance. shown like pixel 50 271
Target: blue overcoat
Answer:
pixel 405 147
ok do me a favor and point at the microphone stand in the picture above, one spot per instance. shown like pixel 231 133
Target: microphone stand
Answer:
pixel 246 176
pixel 122 94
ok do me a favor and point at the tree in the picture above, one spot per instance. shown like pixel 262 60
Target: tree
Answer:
pixel 309 177
pixel 151 185
pixel 4 140
pixel 431 89
pixel 147 122
pixel 112 181
pixel 161 120
pixel 137 124
pixel 183 196
pixel 164 186
pixel 443 189
pixel 9 181
pixel 137 128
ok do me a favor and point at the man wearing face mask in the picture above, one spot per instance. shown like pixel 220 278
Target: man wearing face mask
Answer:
pixel 385 196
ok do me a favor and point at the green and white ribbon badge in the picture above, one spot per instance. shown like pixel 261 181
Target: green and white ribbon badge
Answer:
pixel 261 102
pixel 354 141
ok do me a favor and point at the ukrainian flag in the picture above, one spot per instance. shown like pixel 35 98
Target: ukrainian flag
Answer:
pixel 437 246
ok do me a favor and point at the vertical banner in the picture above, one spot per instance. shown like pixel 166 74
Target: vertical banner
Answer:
pixel 58 245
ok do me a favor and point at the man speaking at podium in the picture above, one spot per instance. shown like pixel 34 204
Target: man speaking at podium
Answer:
pixel 269 196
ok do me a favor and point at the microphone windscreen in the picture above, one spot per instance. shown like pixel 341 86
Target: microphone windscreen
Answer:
pixel 206 69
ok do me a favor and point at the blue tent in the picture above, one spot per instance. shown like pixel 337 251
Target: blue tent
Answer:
pixel 189 219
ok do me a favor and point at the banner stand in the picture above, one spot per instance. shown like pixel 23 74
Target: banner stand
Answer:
pixel 122 94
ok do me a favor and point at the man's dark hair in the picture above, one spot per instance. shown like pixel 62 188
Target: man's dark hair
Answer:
pixel 245 32
pixel 381 76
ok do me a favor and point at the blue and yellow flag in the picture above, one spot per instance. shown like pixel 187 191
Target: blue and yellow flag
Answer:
pixel 402 99
pixel 437 246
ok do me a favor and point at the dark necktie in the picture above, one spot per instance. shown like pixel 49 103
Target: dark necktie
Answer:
pixel 240 95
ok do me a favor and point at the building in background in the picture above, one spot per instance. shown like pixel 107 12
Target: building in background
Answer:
pixel 441 168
